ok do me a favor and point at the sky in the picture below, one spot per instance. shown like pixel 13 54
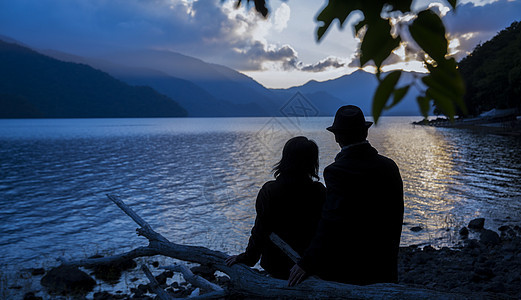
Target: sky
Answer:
pixel 279 52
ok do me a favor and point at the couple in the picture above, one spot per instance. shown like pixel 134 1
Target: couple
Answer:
pixel 349 232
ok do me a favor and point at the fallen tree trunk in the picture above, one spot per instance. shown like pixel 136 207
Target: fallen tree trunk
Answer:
pixel 250 283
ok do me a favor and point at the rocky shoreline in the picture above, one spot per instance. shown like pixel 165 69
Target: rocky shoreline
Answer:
pixel 488 267
pixel 510 126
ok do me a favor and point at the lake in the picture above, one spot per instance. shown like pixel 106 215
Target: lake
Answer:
pixel 195 180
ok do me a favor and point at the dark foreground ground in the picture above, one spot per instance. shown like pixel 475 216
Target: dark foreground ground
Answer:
pixel 487 267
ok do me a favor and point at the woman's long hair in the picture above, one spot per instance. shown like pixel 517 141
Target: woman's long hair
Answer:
pixel 299 159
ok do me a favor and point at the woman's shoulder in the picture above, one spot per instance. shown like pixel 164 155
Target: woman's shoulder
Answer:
pixel 268 188
pixel 285 185
pixel 269 184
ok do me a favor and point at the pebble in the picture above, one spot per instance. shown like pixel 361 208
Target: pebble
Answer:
pixel 204 271
pixel 416 229
pixel 111 273
pixel 464 231
pixel 489 237
pixel 31 296
pixel 66 280
pixel 477 224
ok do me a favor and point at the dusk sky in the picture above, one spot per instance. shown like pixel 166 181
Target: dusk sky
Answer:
pixel 278 52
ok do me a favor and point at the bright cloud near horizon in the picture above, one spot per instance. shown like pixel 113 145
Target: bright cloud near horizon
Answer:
pixel 278 52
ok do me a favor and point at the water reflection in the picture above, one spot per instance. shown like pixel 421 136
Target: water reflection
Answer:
pixel 195 180
pixel 426 161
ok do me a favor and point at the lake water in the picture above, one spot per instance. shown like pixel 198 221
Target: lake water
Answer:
pixel 195 180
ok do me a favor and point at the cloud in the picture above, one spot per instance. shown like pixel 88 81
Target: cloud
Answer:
pixel 206 29
pixel 92 24
pixel 468 26
pixel 281 17
pixel 472 24
pixel 259 57
pixel 328 63
pixel 258 54
pixel 214 31
pixel 490 17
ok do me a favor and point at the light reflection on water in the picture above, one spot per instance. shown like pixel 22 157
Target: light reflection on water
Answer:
pixel 195 180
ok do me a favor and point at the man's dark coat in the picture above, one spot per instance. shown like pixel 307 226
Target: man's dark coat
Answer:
pixel 358 236
pixel 291 208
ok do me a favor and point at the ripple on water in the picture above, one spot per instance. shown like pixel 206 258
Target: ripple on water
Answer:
pixel 198 186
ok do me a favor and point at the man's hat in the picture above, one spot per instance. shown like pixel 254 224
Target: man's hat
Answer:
pixel 349 118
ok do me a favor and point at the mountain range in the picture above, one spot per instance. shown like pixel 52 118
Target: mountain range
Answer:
pixel 33 85
pixel 207 90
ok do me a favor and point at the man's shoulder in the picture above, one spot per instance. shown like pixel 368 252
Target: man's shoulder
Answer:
pixel 386 160
pixel 330 167
pixel 344 162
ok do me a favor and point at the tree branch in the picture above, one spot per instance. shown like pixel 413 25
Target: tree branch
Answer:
pixel 249 282
pixel 91 262
pixel 146 230
pixel 292 254
pixel 154 285
pixel 194 279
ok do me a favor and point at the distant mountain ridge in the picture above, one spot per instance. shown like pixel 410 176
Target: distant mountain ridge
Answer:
pixel 358 89
pixel 35 85
pixel 210 90
pixel 231 88
pixel 204 89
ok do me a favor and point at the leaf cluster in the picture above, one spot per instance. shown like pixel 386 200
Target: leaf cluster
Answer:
pixel 444 85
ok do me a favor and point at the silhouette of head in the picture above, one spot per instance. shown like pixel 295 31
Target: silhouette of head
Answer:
pixel 299 159
pixel 349 125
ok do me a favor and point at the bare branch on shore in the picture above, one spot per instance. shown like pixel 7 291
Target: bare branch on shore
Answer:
pixel 195 280
pixel 154 285
pixel 248 282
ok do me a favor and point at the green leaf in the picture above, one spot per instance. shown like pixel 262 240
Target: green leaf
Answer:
pixel 429 32
pixel 445 79
pixel 335 9
pixel 260 6
pixel 453 3
pixel 402 5
pixel 372 10
pixel 378 43
pixel 359 26
pixel 442 102
pixel 383 92
pixel 446 72
pixel 424 104
pixel 442 97
pixel 398 95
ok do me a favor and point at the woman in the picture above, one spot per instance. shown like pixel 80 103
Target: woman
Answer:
pixel 289 206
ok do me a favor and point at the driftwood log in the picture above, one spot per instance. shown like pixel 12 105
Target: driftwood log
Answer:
pixel 247 282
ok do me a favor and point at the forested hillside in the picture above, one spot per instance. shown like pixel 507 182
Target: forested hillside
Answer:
pixel 492 72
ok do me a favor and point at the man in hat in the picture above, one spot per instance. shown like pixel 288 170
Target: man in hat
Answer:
pixel 358 236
